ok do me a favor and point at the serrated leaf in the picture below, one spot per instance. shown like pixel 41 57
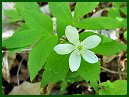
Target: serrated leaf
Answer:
pixel 21 6
pixel 90 72
pixel 38 20
pixel 12 16
pixel 106 88
pixel 73 77
pixel 22 27
pixel 114 12
pixel 82 8
pixel 107 46
pixel 100 23
pixel 39 54
pixel 118 87
pixel 32 30
pixel 124 10
pixel 56 69
pixel 34 18
pixel 117 4
pixel 63 12
pixel 63 15
pixel 22 38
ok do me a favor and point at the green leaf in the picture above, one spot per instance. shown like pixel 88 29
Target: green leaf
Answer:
pixel 22 6
pixel 18 50
pixel 106 88
pixel 63 87
pixel 15 15
pixel 61 10
pixel 73 77
pixel 90 72
pixel 83 8
pixel 22 38
pixel 56 69
pixel 25 7
pixel 61 25
pixel 114 12
pixel 118 87
pixel 100 23
pixel 12 16
pixel 39 54
pixel 107 47
pixel 22 27
pixel 117 4
pixel 63 15
pixel 124 10
pixel 125 35
pixel 38 20
pixel 34 18
pixel 32 30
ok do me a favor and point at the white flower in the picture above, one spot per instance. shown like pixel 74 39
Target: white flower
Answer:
pixel 77 48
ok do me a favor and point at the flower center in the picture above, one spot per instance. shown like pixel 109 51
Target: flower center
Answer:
pixel 79 47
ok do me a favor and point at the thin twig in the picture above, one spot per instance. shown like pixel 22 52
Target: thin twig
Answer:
pixel 115 72
pixel 19 69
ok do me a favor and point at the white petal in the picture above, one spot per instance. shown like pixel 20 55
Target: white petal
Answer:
pixel 74 61
pixel 89 56
pixel 72 34
pixel 64 48
pixel 92 41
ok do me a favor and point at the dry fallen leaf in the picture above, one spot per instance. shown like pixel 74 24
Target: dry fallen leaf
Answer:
pixel 123 64
pixel 26 88
pixel 107 59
